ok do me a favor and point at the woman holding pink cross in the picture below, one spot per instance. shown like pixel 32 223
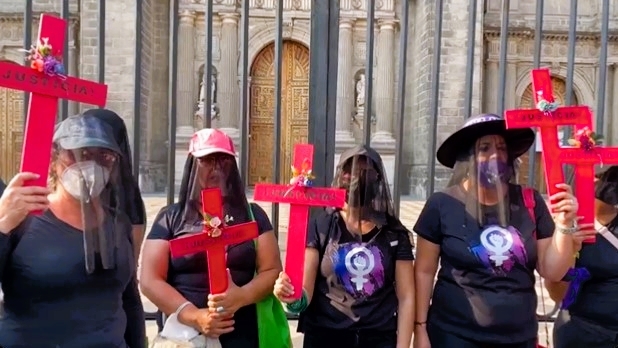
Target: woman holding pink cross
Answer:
pixel 358 286
pixel 488 235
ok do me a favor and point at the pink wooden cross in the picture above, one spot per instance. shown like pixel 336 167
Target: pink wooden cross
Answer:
pixel 548 122
pixel 214 239
pixel 45 90
pixel 300 199
pixel 584 162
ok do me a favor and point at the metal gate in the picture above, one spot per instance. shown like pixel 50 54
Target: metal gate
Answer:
pixel 500 40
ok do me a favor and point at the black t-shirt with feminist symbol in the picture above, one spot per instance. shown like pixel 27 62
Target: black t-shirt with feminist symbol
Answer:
pixel 485 288
pixel 354 287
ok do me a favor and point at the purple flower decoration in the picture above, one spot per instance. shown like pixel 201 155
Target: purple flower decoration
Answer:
pixel 51 66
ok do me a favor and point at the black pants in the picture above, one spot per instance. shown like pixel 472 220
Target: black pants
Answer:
pixel 443 339
pixel 573 332
pixel 350 339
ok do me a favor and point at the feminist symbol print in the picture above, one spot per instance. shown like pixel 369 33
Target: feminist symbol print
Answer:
pixel 498 241
pixel 359 262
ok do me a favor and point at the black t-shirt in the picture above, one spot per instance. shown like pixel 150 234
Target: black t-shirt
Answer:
pixel 597 300
pixel 189 274
pixel 484 293
pixel 50 300
pixel 355 285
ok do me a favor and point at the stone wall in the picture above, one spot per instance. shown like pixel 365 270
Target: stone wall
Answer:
pixel 451 96
pixel 154 99
pixel 120 63
pixel 120 55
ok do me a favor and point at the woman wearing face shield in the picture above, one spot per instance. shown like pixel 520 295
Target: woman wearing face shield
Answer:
pixel 129 196
pixel 180 286
pixel 489 236
pixel 358 286
pixel 589 311
pixel 68 274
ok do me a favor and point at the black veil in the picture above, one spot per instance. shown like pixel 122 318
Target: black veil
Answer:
pixel 129 197
pixel 361 173
pixel 606 185
pixel 217 170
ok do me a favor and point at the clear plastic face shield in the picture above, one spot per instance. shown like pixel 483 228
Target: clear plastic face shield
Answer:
pixel 482 175
pixel 82 175
pixel 217 170
pixel 361 173
pixel 119 132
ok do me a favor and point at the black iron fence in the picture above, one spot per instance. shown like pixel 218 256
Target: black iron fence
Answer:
pixel 325 90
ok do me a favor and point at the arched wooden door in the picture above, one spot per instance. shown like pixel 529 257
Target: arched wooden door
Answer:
pixel 527 102
pixel 11 131
pixel 294 113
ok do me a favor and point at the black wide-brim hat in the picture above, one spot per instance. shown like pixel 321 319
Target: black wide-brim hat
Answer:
pixel 518 140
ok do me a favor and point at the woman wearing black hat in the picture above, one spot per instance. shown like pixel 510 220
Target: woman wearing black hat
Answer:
pixel 489 236
pixel 589 314
pixel 358 288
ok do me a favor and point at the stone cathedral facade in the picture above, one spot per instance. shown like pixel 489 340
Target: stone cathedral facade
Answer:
pixel 120 61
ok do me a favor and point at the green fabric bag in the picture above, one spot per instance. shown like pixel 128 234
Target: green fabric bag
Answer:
pixel 273 328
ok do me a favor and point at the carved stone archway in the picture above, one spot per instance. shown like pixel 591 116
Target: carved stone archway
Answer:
pixel 294 113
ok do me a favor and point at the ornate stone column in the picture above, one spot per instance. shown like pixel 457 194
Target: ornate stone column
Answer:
pixel 385 81
pixel 609 92
pixel 185 93
pixel 613 110
pixel 228 92
pixel 345 85
pixel 511 100
pixel 491 87
pixel 185 78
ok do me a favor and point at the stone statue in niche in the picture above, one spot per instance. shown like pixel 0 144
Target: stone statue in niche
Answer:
pixel 213 92
pixel 360 91
pixel 214 113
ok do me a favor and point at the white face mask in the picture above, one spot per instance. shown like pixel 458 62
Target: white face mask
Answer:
pixel 95 177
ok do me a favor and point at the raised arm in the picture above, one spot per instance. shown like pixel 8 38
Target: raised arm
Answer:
pixel 16 203
pixel 283 288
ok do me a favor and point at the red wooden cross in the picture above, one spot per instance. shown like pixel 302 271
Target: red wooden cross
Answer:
pixel 583 162
pixel 214 239
pixel 548 122
pixel 45 90
pixel 300 197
